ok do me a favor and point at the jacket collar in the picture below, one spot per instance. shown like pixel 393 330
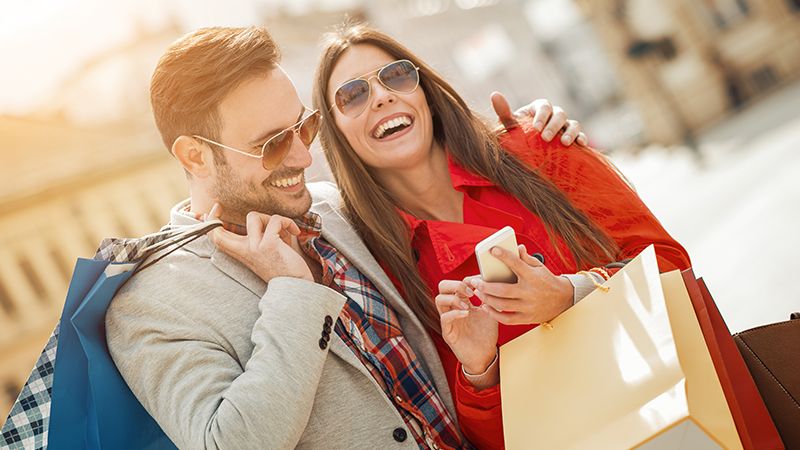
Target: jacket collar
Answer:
pixel 204 248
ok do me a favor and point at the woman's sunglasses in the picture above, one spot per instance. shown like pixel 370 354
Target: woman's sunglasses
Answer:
pixel 277 147
pixel 401 76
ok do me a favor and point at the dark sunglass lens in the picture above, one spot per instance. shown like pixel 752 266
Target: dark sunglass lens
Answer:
pixel 309 128
pixel 352 96
pixel 400 76
pixel 276 149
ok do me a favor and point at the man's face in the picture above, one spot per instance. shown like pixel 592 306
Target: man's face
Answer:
pixel 256 110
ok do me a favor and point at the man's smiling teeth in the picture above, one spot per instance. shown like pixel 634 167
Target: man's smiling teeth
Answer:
pixel 286 182
pixel 389 124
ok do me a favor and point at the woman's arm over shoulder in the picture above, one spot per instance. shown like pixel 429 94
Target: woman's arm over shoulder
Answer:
pixel 597 188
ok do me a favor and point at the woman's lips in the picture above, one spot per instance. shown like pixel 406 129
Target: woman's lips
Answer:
pixel 398 134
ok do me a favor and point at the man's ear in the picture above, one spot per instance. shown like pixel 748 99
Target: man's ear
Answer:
pixel 195 157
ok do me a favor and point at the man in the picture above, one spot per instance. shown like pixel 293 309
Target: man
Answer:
pixel 299 339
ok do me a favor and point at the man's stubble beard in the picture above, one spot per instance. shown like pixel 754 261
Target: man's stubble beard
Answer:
pixel 238 197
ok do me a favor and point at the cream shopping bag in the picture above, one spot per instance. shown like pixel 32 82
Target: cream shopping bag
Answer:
pixel 626 368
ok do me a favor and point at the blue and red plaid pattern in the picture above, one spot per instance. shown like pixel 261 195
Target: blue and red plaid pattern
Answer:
pixel 373 333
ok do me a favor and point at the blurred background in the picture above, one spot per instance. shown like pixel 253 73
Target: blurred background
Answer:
pixel 697 101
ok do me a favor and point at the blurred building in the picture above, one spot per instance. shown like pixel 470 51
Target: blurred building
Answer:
pixel 87 165
pixel 687 64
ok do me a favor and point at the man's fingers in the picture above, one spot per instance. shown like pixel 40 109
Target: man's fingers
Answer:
pixel 556 123
pixel 255 223
pixel 215 213
pixel 582 139
pixel 230 243
pixel 573 128
pixel 282 227
pixel 503 111
pixel 544 109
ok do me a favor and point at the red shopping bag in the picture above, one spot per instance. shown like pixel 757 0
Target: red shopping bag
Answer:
pixel 753 422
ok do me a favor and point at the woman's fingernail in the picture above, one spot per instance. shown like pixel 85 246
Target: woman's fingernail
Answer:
pixel 538 125
pixel 566 139
pixel 464 305
pixel 469 292
pixel 496 251
pixel 547 135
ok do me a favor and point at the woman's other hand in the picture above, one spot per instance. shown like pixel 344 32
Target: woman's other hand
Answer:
pixel 470 331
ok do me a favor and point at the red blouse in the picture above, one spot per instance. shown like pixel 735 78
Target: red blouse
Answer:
pixel 446 249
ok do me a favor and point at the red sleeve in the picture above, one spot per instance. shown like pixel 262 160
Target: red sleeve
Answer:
pixel 479 415
pixel 598 189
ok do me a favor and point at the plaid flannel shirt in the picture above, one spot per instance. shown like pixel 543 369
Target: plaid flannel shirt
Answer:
pixel 373 333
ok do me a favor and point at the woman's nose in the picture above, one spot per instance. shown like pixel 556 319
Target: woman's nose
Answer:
pixel 380 94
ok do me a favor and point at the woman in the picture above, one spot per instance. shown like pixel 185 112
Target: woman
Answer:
pixel 423 179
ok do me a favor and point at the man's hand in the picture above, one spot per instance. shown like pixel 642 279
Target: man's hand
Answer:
pixel 547 119
pixel 537 296
pixel 469 331
pixel 266 249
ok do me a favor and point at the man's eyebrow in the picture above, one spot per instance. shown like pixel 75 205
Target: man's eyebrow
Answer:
pixel 262 138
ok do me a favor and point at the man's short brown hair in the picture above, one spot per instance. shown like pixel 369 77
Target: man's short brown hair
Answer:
pixel 199 70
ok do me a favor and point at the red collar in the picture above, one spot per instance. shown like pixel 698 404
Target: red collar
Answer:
pixel 455 243
pixel 461 177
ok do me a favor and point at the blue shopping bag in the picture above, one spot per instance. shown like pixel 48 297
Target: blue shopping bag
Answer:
pixel 75 397
pixel 92 406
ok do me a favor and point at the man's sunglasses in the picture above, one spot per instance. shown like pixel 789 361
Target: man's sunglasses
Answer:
pixel 400 76
pixel 277 147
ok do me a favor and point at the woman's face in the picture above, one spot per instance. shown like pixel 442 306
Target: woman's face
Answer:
pixel 395 130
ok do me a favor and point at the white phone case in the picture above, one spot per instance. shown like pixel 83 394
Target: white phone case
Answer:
pixel 492 269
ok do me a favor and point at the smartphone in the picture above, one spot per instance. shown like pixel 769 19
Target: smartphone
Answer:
pixel 492 269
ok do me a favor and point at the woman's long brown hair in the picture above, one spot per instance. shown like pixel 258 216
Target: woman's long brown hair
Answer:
pixel 470 142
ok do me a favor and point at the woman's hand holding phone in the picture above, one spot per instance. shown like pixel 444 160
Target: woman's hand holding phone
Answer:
pixel 537 296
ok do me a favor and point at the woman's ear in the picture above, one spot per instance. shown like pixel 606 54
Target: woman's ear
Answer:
pixel 195 156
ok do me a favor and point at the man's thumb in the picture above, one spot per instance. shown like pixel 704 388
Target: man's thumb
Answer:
pixel 503 111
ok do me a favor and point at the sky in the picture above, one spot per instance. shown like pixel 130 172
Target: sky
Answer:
pixel 43 41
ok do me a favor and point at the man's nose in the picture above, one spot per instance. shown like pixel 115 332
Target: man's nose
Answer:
pixel 299 156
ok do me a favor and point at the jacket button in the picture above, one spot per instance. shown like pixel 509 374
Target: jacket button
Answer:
pixel 328 320
pixel 399 434
pixel 326 334
pixel 323 344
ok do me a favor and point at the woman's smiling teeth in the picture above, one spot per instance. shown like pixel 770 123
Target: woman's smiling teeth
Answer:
pixel 287 182
pixel 391 126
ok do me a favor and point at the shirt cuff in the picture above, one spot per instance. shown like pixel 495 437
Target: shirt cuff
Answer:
pixel 484 399
pixel 582 285
pixel 485 378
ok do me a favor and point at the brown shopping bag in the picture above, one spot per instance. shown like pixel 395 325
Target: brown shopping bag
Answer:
pixel 624 368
